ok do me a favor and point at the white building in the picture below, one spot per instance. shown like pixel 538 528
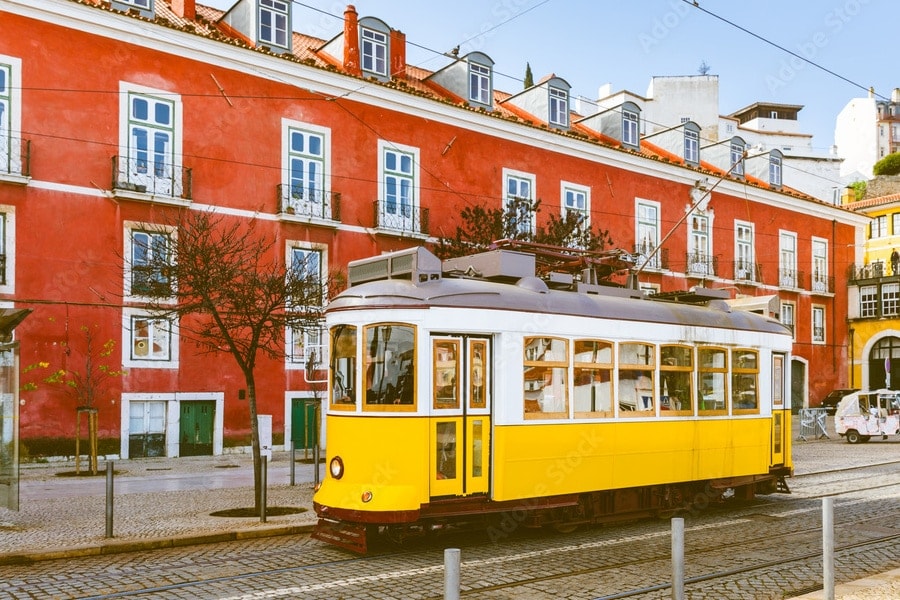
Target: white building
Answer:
pixel 867 130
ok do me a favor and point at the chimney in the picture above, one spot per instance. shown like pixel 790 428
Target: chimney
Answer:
pixel 186 9
pixel 351 41
pixel 895 96
pixel 398 54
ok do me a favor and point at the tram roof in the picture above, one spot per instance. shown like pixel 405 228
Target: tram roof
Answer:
pixel 531 294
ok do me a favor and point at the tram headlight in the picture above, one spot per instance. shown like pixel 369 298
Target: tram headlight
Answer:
pixel 336 467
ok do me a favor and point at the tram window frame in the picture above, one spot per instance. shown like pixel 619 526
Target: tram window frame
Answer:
pixel 479 374
pixel 744 375
pixel 640 367
pixel 593 363
pixel 343 365
pixel 707 375
pixel 676 368
pixel 445 373
pixel 543 356
pixel 403 369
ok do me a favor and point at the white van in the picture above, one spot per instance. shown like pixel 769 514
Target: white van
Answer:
pixel 861 415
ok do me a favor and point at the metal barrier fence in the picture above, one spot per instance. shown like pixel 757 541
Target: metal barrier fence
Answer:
pixel 812 424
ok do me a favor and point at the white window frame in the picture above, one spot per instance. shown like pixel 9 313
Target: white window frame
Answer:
pixel 630 129
pixel 744 251
pixel 788 317
pixel 700 261
pixel 521 180
pixel 819 265
pixel 878 227
pixel 172 337
pixel 817 333
pixel 405 215
pixel 646 232
pixel 775 170
pixel 787 259
pixel 890 299
pixel 11 120
pixel 130 227
pixel 570 194
pixel 868 301
pixel 691 146
pixel 558 103
pixel 373 51
pixel 315 202
pixel 278 13
pixel 480 83
pixel 737 159
pixel 163 181
pixel 8 247
pixel 297 341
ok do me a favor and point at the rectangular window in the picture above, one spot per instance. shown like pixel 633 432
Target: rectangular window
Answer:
pixel 150 342
pixel 868 301
pixel 676 387
pixel 819 265
pixel 895 224
pixel 744 265
pixel 818 324
pixel 636 392
pixel 787 260
pixel 519 201
pixel 737 160
pixel 691 146
pixel 700 261
pixel 878 228
pixel 3 250
pixel 304 187
pixel 307 349
pixel 150 263
pixel 152 148
pixel 647 234
pixel 559 107
pixel 775 171
pixel 399 193
pixel 630 128
pixel 890 296
pixel 374 51
pixel 307 269
pixel 713 372
pixel 446 374
pixel 745 381
pixel 546 366
pixel 479 84
pixel 787 317
pixel 390 367
pixel 6 114
pixel 342 367
pixel 593 391
pixel 576 200
pixel 274 22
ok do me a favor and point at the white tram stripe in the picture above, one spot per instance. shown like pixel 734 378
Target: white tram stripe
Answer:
pixel 289 591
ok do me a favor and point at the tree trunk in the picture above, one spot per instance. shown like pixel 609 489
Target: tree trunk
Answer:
pixel 254 440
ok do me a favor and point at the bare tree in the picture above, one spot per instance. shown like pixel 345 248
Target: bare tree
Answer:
pixel 228 285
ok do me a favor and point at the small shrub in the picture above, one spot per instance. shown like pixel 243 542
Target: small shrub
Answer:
pixel 889 165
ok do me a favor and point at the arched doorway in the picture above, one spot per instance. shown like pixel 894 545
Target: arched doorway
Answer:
pixel 884 364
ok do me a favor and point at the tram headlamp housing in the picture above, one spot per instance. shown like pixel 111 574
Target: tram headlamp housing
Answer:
pixel 366 496
pixel 336 467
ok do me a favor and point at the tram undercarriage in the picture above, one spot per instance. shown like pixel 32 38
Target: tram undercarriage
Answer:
pixel 564 513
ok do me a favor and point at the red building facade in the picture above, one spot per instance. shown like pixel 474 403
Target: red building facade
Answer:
pixel 116 113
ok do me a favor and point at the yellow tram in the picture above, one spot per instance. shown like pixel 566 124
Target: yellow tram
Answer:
pixel 474 390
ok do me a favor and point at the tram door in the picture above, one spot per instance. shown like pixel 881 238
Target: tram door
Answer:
pixel 461 411
pixel 780 429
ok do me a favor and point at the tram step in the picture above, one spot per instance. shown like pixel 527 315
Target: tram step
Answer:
pixel 344 535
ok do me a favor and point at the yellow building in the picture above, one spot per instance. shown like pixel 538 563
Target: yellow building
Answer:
pixel 873 298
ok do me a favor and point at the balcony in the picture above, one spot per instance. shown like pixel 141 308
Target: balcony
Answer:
pixel 309 206
pixel 820 283
pixel 789 279
pixel 15 160
pixel 701 264
pixel 151 180
pixel 866 271
pixel 397 219
pixel 645 258
pixel 747 272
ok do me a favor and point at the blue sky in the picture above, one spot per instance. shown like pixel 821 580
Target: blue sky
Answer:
pixel 626 42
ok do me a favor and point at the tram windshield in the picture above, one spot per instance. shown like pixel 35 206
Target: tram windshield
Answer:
pixel 389 364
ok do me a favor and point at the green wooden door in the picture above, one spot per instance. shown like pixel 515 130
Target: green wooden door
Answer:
pixel 304 431
pixel 197 428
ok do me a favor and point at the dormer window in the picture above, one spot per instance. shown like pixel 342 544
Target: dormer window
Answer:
pixel 691 144
pixel 479 83
pixel 775 169
pixel 274 22
pixel 559 107
pixel 144 7
pixel 374 51
pixel 630 128
pixel 736 158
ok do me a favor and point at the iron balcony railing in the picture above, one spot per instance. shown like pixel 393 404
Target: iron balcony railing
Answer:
pixel 396 217
pixel 152 177
pixel 307 203
pixel 15 156
pixel 644 257
pixel 789 278
pixel 819 283
pixel 701 264
pixel 747 271
pixel 866 271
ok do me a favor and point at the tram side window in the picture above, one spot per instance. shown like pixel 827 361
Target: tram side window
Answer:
pixel 713 370
pixel 389 365
pixel 637 364
pixel 593 391
pixel 676 373
pixel 744 380
pixel 446 373
pixel 546 365
pixel 343 366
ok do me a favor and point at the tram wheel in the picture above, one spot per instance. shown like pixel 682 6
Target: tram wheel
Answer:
pixel 565 527
pixel 853 437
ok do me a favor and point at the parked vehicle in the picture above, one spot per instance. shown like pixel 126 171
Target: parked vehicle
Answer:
pixel 860 415
pixel 834 396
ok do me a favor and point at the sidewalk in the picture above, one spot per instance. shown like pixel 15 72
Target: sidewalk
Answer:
pixel 161 502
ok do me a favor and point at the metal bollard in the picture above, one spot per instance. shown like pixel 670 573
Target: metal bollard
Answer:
pixel 109 498
pixel 293 462
pixel 678 558
pixel 828 548
pixel 451 574
pixel 262 491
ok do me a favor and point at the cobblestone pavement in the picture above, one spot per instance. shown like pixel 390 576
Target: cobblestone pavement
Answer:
pixel 168 502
